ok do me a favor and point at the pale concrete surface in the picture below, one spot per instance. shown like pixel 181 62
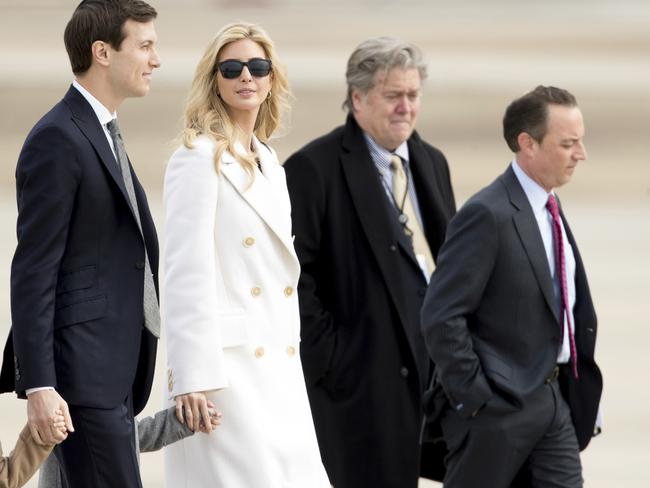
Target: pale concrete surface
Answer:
pixel 480 58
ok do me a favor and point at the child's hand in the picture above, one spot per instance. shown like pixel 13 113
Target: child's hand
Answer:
pixel 215 417
pixel 59 430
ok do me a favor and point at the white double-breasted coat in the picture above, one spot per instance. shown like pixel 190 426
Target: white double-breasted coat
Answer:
pixel 233 326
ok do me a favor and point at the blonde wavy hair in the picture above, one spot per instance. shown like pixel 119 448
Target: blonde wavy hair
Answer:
pixel 205 112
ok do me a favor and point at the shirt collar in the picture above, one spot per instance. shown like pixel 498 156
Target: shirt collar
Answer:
pixel 382 156
pixel 537 196
pixel 101 112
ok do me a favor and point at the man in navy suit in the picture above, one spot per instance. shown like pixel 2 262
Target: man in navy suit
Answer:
pixel 84 275
pixel 508 318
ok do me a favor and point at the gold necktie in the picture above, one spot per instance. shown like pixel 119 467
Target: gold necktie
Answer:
pixel 405 207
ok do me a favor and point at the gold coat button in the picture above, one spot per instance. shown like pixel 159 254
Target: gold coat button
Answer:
pixel 256 291
pixel 288 291
pixel 291 351
pixel 259 352
pixel 249 241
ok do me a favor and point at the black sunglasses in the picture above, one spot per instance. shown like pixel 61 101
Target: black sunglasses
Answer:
pixel 257 67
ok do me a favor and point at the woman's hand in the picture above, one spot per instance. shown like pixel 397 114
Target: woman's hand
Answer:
pixel 194 409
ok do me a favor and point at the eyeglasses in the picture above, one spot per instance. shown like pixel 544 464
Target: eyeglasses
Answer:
pixel 257 67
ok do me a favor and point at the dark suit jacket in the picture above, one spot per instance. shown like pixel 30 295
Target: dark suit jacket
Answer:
pixel 78 272
pixel 360 292
pixel 490 317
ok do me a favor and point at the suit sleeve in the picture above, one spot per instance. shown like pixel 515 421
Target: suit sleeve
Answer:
pixel 162 429
pixel 47 177
pixel 308 202
pixel 464 266
pixel 194 352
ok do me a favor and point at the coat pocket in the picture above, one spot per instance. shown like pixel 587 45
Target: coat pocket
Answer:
pixel 234 328
pixel 89 309
pixel 76 279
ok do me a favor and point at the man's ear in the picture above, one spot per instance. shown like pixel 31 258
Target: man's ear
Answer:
pixel 357 97
pixel 526 142
pixel 100 53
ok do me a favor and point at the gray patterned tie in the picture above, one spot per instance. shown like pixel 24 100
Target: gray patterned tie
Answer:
pixel 150 301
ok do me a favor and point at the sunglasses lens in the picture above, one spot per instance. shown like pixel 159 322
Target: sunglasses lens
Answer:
pixel 231 69
pixel 259 67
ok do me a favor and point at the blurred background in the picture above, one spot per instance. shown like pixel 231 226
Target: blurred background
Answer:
pixel 481 55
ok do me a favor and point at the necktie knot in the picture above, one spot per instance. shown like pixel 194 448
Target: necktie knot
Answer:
pixel 396 163
pixel 552 207
pixel 114 129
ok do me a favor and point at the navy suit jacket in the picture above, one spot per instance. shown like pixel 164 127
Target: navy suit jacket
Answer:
pixel 78 272
pixel 490 319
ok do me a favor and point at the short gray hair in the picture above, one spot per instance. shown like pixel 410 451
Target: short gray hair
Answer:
pixel 380 54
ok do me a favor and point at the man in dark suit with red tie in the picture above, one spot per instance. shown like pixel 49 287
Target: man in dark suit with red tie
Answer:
pixel 84 275
pixel 508 317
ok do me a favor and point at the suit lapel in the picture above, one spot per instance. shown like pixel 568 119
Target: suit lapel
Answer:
pixel 267 194
pixel 84 117
pixel 367 193
pixel 584 314
pixel 528 231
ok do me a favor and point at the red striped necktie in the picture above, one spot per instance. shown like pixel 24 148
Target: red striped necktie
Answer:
pixel 560 272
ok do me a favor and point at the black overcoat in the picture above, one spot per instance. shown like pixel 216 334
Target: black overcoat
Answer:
pixel 360 293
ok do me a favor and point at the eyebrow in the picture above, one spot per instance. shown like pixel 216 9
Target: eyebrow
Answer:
pixel 570 139
pixel 391 91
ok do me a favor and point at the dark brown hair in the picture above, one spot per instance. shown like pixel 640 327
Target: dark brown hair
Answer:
pixel 529 113
pixel 100 20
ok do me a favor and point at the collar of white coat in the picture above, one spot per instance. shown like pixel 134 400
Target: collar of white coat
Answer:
pixel 266 194
pixel 264 153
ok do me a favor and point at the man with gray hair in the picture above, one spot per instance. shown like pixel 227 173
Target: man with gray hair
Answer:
pixel 370 203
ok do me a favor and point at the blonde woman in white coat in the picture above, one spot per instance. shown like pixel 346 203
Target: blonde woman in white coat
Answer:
pixel 230 299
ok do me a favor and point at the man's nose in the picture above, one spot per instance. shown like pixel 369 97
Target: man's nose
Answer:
pixel 403 105
pixel 155 58
pixel 581 153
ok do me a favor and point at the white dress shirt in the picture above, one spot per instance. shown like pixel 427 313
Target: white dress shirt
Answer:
pixel 537 197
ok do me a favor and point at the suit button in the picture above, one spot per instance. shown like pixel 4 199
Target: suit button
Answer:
pixel 248 242
pixel 256 291
pixel 404 371
pixel 422 291
pixel 288 291
pixel 139 265
pixel 393 248
pixel 291 351
pixel 259 352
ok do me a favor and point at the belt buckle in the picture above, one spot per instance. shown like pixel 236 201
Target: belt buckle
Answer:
pixel 553 376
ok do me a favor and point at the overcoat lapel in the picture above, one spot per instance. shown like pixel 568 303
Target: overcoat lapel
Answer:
pixel 266 194
pixel 528 231
pixel 429 196
pixel 367 192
